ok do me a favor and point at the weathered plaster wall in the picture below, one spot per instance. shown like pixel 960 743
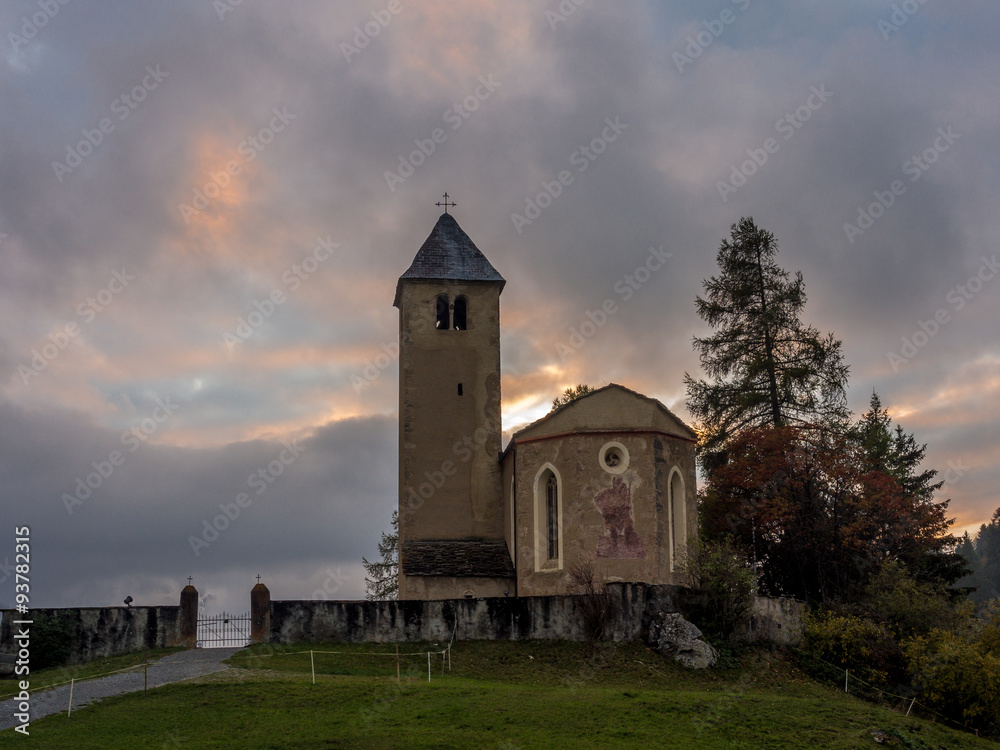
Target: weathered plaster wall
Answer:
pixel 504 618
pixel 778 620
pixel 586 490
pixel 105 631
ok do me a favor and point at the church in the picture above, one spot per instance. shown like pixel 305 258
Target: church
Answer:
pixel 607 478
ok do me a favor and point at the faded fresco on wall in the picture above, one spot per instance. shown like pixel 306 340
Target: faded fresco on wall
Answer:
pixel 619 540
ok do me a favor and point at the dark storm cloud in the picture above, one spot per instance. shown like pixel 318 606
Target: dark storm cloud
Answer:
pixel 111 505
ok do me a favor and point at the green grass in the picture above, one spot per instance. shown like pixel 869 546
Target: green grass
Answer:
pixel 44 678
pixel 497 695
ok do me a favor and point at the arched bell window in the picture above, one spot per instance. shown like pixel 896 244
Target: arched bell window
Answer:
pixel 460 318
pixel 442 312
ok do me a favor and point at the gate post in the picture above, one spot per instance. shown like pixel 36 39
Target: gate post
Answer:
pixel 189 616
pixel 260 613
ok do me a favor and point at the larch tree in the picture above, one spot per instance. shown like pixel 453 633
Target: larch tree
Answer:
pixel 766 368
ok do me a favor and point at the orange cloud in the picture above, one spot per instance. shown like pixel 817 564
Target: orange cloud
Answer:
pixel 214 204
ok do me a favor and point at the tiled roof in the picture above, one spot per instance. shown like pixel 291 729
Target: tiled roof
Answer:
pixel 449 254
pixel 480 558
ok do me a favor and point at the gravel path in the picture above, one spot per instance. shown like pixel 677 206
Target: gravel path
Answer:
pixel 183 665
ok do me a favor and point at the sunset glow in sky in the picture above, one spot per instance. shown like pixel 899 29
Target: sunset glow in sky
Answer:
pixel 205 208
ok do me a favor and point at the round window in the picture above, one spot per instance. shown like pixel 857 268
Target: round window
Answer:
pixel 614 458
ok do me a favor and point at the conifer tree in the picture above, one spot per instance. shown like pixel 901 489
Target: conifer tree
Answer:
pixel 382 579
pixel 765 367
pixel 896 453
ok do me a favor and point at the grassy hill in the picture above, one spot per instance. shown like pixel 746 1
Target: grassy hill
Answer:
pixel 497 695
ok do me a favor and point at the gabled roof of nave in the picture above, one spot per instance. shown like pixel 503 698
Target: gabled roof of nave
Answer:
pixel 448 254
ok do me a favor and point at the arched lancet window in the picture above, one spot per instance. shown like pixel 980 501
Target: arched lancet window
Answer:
pixel 442 312
pixel 552 515
pixel 678 518
pixel 460 319
pixel 548 534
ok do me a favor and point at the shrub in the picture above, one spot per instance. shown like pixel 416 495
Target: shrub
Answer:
pixel 596 605
pixel 908 607
pixel 52 640
pixel 865 647
pixel 957 677
pixel 723 582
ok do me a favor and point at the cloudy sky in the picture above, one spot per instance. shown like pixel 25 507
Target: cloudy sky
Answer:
pixel 204 208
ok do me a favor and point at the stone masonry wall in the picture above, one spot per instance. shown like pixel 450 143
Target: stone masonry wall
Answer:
pixel 501 618
pixel 104 631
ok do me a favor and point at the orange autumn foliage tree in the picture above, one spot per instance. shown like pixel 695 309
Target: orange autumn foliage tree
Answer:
pixel 806 504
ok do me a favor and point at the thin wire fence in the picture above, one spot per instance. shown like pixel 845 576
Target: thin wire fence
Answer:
pixel 348 664
pixel 397 655
pixel 831 673
pixel 854 685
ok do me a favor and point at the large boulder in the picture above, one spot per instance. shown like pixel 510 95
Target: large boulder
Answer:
pixel 672 635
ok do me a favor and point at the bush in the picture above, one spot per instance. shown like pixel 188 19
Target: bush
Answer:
pixel 865 647
pixel 958 677
pixel 52 640
pixel 989 633
pixel 910 608
pixel 723 582
pixel 596 605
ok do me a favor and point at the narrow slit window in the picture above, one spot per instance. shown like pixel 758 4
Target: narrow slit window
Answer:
pixel 459 389
pixel 552 514
pixel 442 312
pixel 461 316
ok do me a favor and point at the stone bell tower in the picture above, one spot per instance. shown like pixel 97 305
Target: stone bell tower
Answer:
pixel 451 514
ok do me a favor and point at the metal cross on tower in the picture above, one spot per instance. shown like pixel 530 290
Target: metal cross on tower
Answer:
pixel 258 578
pixel 446 204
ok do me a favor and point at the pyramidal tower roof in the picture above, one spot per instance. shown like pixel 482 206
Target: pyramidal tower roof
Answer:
pixel 448 254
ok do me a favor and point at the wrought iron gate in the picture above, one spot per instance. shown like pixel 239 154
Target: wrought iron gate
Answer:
pixel 224 630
